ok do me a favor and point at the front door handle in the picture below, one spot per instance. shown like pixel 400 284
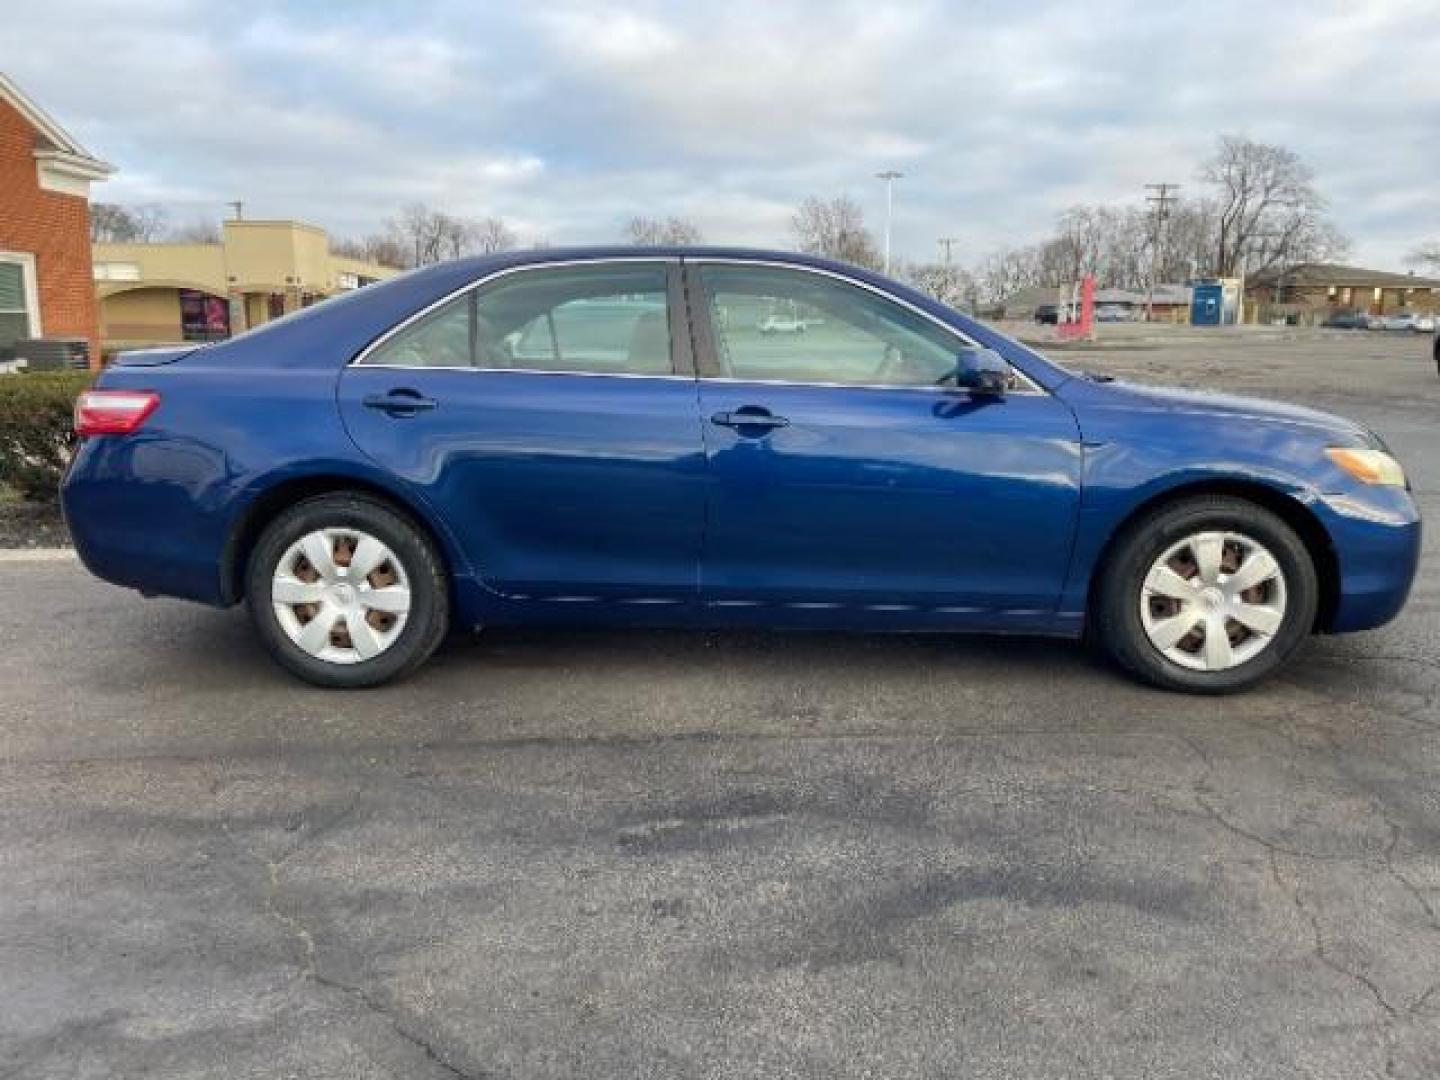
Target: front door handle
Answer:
pixel 402 402
pixel 750 416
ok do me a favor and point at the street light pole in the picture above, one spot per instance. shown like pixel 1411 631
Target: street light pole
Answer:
pixel 889 176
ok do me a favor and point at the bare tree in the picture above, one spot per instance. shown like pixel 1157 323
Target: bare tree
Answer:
pixel 382 248
pixel 947 282
pixel 198 231
pixel 111 223
pixel 1005 272
pixel 424 235
pixel 652 232
pixel 458 235
pixel 422 232
pixel 491 234
pixel 1191 240
pixel 348 247
pixel 836 229
pixel 1427 255
pixel 1269 213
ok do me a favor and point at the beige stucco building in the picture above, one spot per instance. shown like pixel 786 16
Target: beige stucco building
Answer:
pixel 152 294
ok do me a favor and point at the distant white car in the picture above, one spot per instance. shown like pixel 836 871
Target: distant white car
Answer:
pixel 1404 320
pixel 1113 313
pixel 782 324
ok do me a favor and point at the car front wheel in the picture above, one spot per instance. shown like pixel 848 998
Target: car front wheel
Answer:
pixel 1208 595
pixel 345 592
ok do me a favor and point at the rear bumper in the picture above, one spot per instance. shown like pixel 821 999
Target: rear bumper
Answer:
pixel 161 537
pixel 1376 536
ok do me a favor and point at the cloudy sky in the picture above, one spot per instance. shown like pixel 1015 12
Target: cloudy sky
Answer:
pixel 566 118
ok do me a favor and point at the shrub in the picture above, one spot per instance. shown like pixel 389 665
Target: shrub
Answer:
pixel 36 438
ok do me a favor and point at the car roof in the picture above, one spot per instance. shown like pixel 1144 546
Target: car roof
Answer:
pixel 479 264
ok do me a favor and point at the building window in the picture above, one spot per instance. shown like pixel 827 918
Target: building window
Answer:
pixel 19 302
pixel 203 317
pixel 275 305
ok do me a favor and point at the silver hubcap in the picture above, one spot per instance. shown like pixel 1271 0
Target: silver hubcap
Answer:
pixel 1213 601
pixel 341 595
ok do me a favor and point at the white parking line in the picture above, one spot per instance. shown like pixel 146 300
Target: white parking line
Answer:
pixel 23 555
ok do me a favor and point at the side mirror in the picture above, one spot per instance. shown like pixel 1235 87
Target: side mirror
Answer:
pixel 982 371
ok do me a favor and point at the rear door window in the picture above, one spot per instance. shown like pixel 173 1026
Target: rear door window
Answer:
pixel 604 319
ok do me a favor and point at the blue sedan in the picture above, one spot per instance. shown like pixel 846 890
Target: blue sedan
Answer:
pixel 621 436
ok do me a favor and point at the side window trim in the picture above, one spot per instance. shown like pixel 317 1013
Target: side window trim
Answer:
pixel 682 351
pixel 707 347
pixel 702 327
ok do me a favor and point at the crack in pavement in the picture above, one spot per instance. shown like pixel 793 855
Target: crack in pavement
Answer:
pixel 1201 784
pixel 1389 1013
pixel 309 971
pixel 388 1014
pixel 1320 952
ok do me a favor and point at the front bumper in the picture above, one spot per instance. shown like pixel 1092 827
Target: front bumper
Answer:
pixel 1376 536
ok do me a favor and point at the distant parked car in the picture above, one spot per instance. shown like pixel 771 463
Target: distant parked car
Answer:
pixel 783 320
pixel 1424 323
pixel 1400 320
pixel 1347 319
pixel 372 471
pixel 1048 314
pixel 1113 313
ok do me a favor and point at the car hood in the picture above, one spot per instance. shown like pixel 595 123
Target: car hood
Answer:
pixel 1228 406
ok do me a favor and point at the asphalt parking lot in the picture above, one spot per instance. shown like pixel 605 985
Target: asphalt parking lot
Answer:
pixel 730 855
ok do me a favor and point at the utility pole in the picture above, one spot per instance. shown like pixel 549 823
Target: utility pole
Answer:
pixel 946 242
pixel 239 207
pixel 889 176
pixel 1161 201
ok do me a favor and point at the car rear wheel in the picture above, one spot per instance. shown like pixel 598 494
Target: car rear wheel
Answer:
pixel 345 592
pixel 1208 595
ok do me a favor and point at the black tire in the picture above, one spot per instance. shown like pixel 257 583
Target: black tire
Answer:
pixel 1116 620
pixel 429 613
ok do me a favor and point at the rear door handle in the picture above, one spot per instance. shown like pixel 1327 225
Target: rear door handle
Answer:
pixel 750 417
pixel 403 402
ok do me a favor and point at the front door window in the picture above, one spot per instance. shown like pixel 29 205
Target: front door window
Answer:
pixel 778 325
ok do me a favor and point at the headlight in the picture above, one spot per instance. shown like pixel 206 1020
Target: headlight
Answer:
pixel 1368 466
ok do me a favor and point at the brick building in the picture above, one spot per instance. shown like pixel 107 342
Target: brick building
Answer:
pixel 1312 291
pixel 46 286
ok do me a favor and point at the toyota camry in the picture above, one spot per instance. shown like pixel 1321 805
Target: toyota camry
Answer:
pixel 619 436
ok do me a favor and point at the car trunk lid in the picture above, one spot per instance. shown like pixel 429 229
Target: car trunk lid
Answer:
pixel 137 358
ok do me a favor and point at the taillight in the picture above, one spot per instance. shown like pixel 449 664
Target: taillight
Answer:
pixel 113 412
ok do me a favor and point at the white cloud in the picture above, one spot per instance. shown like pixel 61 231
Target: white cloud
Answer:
pixel 569 117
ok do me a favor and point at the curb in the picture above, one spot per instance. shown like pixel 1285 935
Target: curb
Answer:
pixel 42 555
